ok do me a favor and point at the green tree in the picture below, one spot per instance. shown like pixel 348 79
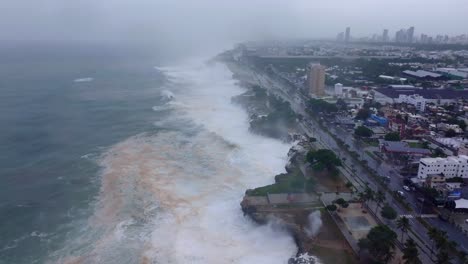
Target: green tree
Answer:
pixel 450 133
pixel 438 152
pixel 379 199
pixel 432 233
pixel 331 207
pixel 404 225
pixel 369 193
pixel 388 212
pixel 362 131
pixel 350 186
pixel 323 158
pixel 340 201
pixel 380 242
pixel 392 136
pixel 363 114
pixel 411 253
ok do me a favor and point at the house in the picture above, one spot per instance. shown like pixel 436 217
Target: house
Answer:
pixel 400 148
pixel 434 180
pixel 397 125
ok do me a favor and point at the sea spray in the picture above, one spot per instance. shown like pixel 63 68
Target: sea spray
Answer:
pixel 315 223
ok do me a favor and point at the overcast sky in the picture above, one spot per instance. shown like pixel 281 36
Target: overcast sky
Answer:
pixel 197 22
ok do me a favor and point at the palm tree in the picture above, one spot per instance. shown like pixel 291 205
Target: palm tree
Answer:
pixel 379 198
pixel 410 253
pixel 432 233
pixel 362 198
pixel 369 193
pixel 404 225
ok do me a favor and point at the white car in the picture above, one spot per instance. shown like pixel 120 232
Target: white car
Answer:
pixel 406 188
pixel 401 193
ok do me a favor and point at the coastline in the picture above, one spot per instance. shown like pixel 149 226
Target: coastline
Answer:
pixel 293 221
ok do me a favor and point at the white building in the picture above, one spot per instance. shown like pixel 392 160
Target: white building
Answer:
pixel 455 166
pixel 338 90
pixel 418 101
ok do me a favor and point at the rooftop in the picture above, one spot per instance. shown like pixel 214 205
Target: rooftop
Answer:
pixel 426 93
pixel 422 74
pixel 402 147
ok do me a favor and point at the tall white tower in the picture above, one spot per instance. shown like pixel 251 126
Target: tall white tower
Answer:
pixel 338 90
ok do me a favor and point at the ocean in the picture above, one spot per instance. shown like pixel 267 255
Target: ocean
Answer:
pixel 107 157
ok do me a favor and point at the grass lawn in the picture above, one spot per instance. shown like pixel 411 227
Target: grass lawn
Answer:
pixel 416 145
pixel 372 143
pixel 284 183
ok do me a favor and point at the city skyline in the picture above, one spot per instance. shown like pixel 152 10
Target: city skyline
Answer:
pixel 403 35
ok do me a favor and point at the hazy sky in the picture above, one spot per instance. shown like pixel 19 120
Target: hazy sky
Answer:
pixel 197 22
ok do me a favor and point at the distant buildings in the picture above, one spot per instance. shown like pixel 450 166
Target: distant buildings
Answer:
pixel 405 35
pixel 456 166
pixel 385 36
pixel 316 79
pixel 340 37
pixel 347 34
pixel 416 100
pixel 410 34
pixel 436 96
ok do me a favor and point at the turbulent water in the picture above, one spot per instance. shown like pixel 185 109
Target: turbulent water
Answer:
pixel 157 179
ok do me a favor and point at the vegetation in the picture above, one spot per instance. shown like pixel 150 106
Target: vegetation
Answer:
pixel 379 199
pixel 331 207
pixel 277 122
pixel 319 105
pixel 458 122
pixel 380 242
pixel 455 179
pixel 404 225
pixel 324 159
pixel 363 114
pixel 411 253
pixel 362 131
pixel 285 183
pixel 450 133
pixel 440 241
pixel 438 152
pixel 392 136
pixel 388 212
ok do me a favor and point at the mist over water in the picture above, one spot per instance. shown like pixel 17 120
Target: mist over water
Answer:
pixel 173 196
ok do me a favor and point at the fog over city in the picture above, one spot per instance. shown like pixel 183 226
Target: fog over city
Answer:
pixel 187 24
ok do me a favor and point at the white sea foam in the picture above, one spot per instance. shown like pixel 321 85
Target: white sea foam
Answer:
pixel 174 197
pixel 315 223
pixel 87 79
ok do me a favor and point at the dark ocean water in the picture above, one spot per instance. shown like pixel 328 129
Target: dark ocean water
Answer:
pixel 52 129
pixel 106 159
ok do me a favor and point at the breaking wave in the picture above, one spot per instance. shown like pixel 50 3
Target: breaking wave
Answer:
pixel 173 196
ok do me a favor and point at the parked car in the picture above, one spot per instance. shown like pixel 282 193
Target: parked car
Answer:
pixel 402 194
pixel 406 188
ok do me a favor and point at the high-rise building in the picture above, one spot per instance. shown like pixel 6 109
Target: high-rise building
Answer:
pixel 340 37
pixel 385 35
pixel 338 90
pixel 410 34
pixel 316 79
pixel 347 34
pixel 401 36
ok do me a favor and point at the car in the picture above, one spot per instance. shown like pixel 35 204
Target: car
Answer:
pixel 401 193
pixel 406 188
pixel 466 221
